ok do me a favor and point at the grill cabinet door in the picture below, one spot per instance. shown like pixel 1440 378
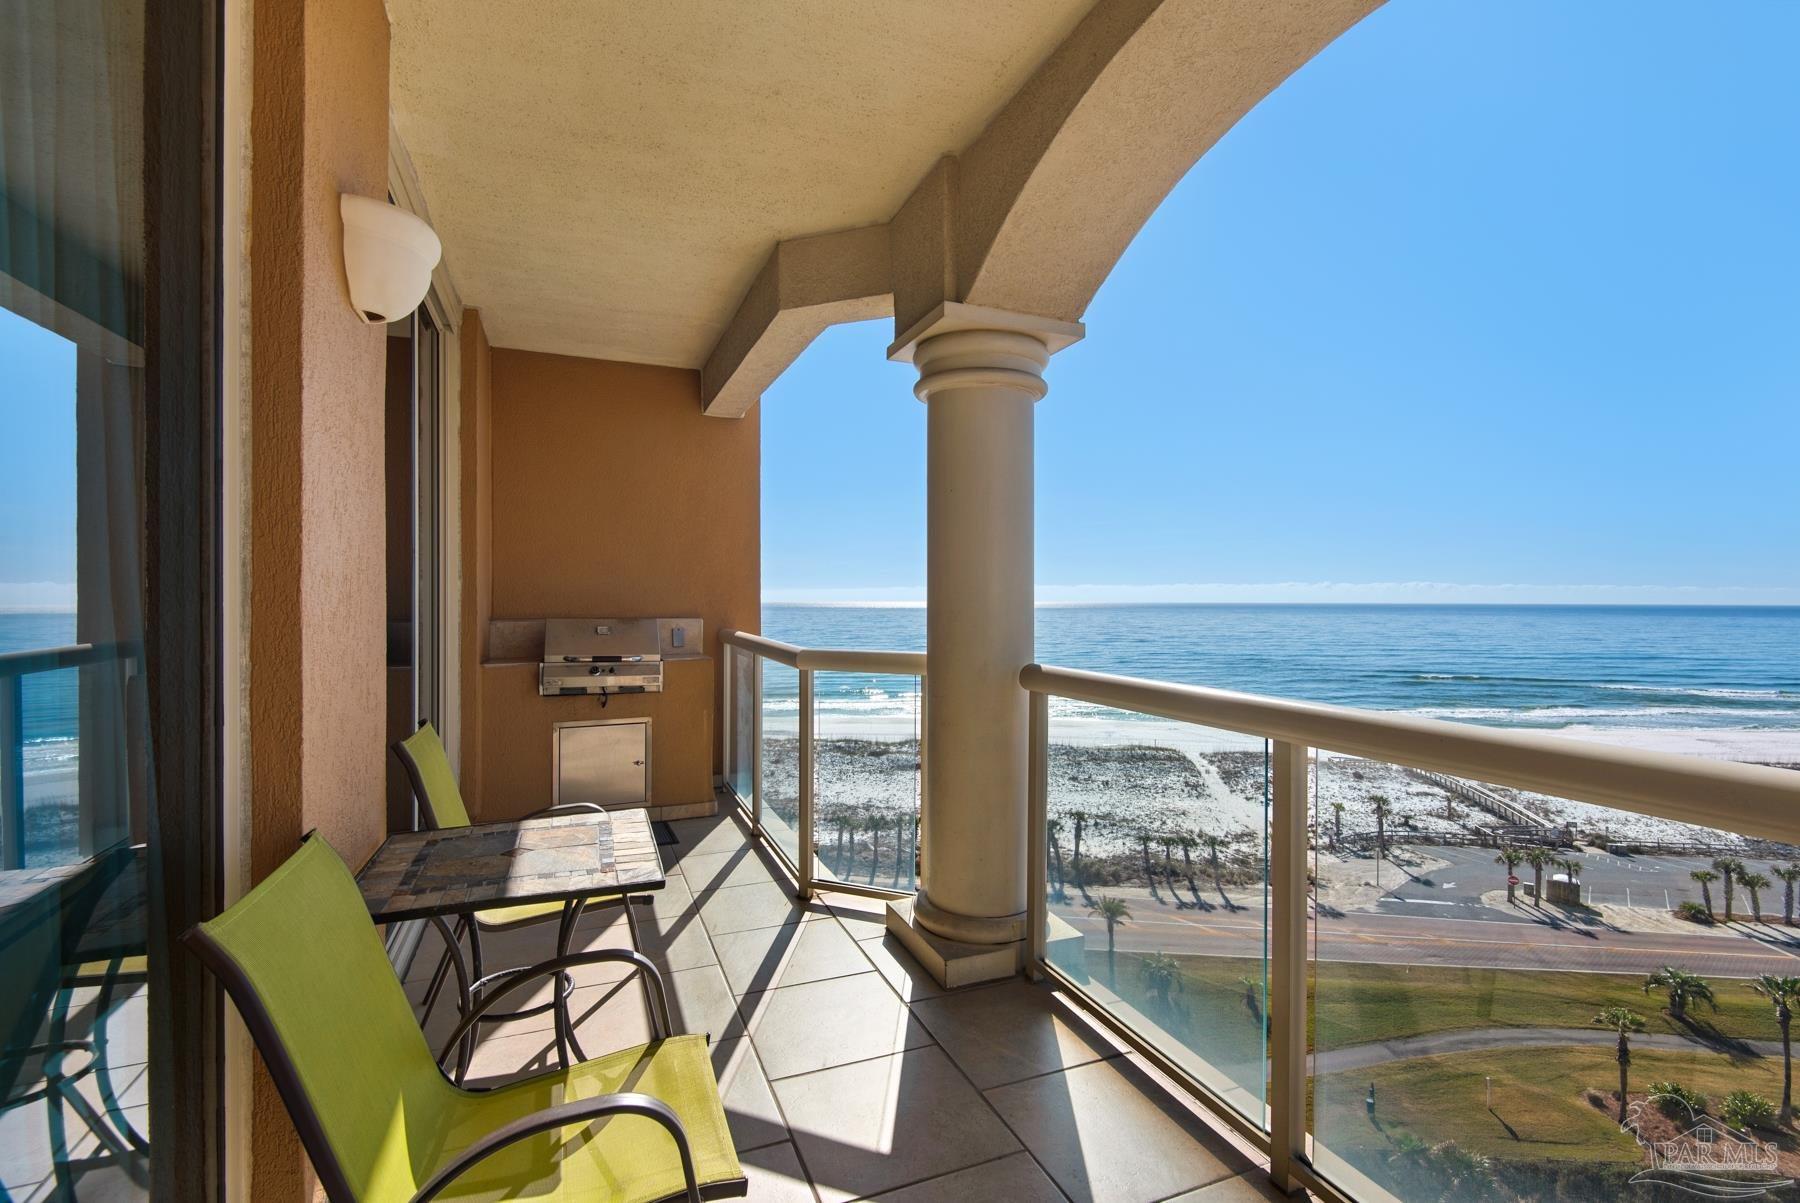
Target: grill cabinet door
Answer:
pixel 607 763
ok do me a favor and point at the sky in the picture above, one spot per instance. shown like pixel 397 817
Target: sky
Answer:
pixel 37 467
pixel 1496 300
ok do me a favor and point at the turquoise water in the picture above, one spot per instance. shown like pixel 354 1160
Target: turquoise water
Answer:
pixel 51 699
pixel 1549 667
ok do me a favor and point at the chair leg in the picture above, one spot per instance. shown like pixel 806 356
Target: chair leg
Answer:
pixel 476 973
pixel 565 1028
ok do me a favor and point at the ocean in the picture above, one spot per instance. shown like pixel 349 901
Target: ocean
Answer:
pixel 1579 669
pixel 51 700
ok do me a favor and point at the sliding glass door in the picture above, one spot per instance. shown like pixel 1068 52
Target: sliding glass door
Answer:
pixel 108 708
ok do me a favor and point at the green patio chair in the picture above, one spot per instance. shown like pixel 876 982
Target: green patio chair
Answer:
pixel 441 805
pixel 380 1121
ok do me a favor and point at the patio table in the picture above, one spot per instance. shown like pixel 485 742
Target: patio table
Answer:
pixel 565 858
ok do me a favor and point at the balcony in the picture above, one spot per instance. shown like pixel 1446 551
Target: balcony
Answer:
pixel 846 1072
pixel 1349 939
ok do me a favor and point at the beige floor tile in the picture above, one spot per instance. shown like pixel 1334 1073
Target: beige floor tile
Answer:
pixel 1090 1128
pixel 672 899
pixel 701 1003
pixel 676 942
pixel 1016 1179
pixel 1006 1032
pixel 749 1104
pixel 799 1029
pixel 1253 1187
pixel 875 1125
pixel 775 1176
pixel 704 837
pixel 865 918
pixel 723 870
pixel 763 904
pixel 771 957
pixel 909 978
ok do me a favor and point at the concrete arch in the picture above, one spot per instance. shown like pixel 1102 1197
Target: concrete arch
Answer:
pixel 1138 93
pixel 1032 215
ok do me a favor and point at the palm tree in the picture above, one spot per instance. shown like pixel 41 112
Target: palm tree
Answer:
pixel 875 827
pixel 1214 844
pixel 1572 867
pixel 1055 829
pixel 1188 843
pixel 1149 872
pixel 1789 875
pixel 1161 974
pixel 1682 988
pixel 1081 821
pixel 1382 809
pixel 1511 858
pixel 1114 912
pixel 1729 868
pixel 1539 859
pixel 1784 992
pixel 852 822
pixel 1168 847
pixel 1337 823
pixel 1705 877
pixel 1624 1021
pixel 1754 884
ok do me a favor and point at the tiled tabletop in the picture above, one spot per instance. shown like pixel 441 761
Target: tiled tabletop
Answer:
pixel 418 874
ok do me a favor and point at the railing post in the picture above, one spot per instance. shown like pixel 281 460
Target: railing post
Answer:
pixel 756 742
pixel 1037 912
pixel 12 772
pixel 803 848
pixel 1287 966
pixel 727 657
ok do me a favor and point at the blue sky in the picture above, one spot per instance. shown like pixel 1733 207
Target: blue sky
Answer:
pixel 1491 301
pixel 37 466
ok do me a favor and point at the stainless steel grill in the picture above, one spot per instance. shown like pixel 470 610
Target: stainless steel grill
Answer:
pixel 600 656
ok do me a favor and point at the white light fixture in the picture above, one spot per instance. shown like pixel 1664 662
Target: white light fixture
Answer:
pixel 388 257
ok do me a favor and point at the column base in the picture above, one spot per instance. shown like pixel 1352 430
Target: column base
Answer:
pixel 952 963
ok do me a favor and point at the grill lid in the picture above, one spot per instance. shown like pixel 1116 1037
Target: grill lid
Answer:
pixel 590 640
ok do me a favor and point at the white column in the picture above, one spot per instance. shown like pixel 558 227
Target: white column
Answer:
pixel 980 375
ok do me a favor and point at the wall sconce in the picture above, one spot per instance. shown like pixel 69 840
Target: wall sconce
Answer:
pixel 388 257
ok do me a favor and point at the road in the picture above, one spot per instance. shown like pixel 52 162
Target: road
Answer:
pixel 1491 941
pixel 1432 1044
pixel 1654 882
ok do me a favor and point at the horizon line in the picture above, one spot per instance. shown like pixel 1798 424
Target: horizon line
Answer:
pixel 1327 593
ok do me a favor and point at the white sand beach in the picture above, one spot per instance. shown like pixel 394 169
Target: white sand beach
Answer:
pixel 1134 776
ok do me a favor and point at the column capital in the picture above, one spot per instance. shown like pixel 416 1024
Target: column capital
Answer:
pixel 952 317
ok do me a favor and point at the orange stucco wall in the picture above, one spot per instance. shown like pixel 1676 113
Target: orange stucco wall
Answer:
pixel 666 523
pixel 317 537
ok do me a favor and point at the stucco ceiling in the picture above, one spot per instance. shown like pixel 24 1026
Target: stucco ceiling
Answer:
pixel 609 177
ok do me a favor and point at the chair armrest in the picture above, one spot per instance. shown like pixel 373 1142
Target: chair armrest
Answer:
pixel 568 808
pixel 659 1001
pixel 562 1116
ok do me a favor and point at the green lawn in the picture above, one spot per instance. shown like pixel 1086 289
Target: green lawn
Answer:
pixel 1360 1003
pixel 1540 1131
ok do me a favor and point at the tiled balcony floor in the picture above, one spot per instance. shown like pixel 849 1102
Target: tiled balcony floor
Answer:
pixel 847 1074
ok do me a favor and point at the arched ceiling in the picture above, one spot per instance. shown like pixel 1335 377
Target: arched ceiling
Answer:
pixel 708 185
pixel 609 178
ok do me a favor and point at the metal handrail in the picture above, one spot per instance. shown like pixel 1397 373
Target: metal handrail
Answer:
pixel 1748 798
pixel 820 659
pixel 806 662
pixel 14 668
pixel 50 659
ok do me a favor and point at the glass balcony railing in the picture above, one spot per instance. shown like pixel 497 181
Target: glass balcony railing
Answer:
pixel 823 750
pixel 1468 963
pixel 1410 959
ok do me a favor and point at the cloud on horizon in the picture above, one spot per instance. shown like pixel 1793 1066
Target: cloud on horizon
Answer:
pixel 1366 592
pixel 25 597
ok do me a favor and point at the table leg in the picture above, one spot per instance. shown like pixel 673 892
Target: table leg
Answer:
pixel 465 998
